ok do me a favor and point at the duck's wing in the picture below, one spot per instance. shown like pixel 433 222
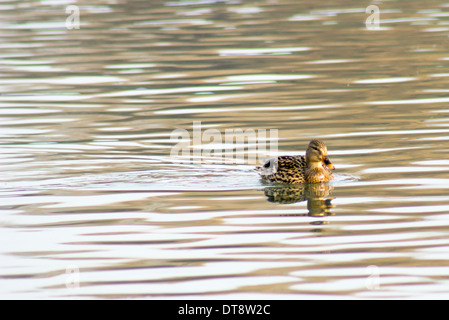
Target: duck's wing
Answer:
pixel 282 163
pixel 291 163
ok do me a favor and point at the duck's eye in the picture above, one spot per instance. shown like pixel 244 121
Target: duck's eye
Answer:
pixel 316 149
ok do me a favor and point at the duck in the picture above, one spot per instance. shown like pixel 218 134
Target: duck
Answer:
pixel 314 167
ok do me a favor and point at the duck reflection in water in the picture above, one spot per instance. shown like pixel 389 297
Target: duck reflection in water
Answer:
pixel 317 196
pixel 305 178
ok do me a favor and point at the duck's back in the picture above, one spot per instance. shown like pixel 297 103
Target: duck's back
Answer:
pixel 284 169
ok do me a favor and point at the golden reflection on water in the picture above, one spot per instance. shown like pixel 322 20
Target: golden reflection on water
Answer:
pixel 316 195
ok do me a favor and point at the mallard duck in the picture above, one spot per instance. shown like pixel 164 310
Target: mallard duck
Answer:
pixel 314 167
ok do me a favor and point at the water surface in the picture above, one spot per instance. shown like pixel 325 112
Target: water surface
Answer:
pixel 93 205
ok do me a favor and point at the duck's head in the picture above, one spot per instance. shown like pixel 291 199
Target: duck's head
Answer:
pixel 316 155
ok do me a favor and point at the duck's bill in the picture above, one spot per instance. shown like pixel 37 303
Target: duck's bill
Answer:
pixel 328 163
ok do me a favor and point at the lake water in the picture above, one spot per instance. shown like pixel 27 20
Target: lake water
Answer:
pixel 94 205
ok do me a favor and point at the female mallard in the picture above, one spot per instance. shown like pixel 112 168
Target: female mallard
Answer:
pixel 315 167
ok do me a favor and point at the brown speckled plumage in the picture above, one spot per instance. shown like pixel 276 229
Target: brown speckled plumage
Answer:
pixel 314 167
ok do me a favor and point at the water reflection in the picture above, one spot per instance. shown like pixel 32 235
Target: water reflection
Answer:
pixel 317 196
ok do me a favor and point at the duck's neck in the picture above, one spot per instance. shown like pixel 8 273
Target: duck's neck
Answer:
pixel 315 172
pixel 315 166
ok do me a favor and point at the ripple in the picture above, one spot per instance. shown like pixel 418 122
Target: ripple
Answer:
pixel 410 101
pixel 385 80
pixel 261 51
pixel 139 92
pixel 266 77
pixel 183 287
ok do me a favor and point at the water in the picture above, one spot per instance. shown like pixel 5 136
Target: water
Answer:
pixel 93 206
